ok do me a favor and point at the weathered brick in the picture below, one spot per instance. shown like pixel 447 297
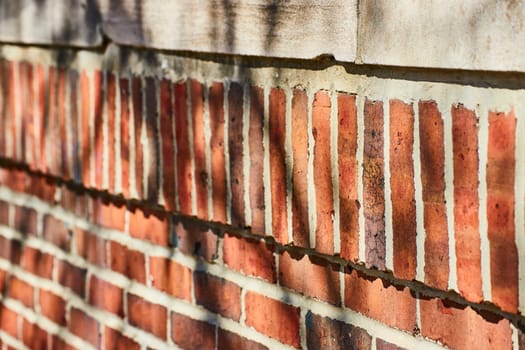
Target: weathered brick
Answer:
pixel 26 220
pixel 91 247
pixel 249 256
pixel 203 333
pixel 25 77
pixel 167 140
pixel 10 250
pixel 21 291
pixel 33 336
pixel 109 214
pixel 113 339
pixel 199 148
pixel 170 277
pixel 149 225
pixel 217 295
pixel 111 127
pixel 4 106
pixel 42 187
pixel 72 276
pixel 136 103
pixel 130 263
pixel 148 316
pixel 52 306
pixel 383 345
pixel 98 126
pixel 347 163
pixel 324 231
pixel 151 175
pixel 125 136
pixel 62 156
pixel 255 138
pixel 402 189
pixel 377 299
pixel 373 185
pixel 460 327
pixel 326 333
pixel 432 158
pixel 466 203
pixel 235 147
pixel 229 340
pixel 500 210
pixel 84 326
pixel 74 125
pixel 300 224
pixel 310 276
pixel 8 321
pixel 85 132
pixel 218 167
pixel 105 295
pixel 56 232
pixel 195 238
pixel 184 169
pixel 4 213
pixel 273 318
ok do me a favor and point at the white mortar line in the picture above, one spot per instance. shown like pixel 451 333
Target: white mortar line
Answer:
pixel 334 155
pixel 303 332
pixel 312 204
pixel 105 131
pixel 207 149
pixel 226 143
pixel 449 192
pixel 389 231
pixel 288 151
pixel 360 105
pixel 515 337
pixel 483 132
pixel 418 194
pixel 12 342
pixel 267 181
pixel 117 148
pixel 519 209
pixel 246 153
pixel 189 119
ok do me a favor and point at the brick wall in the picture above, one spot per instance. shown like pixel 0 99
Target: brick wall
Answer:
pixel 153 200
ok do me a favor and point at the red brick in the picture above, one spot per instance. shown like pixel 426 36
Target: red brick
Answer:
pixel 326 333
pixel 91 247
pixel 56 232
pixel 125 135
pixel 9 321
pixel 59 344
pixel 376 299
pixel 43 188
pixel 257 159
pixel 402 189
pixel 130 263
pixel 199 148
pixel 196 238
pixel 51 122
pixel 85 141
pixel 14 100
pixel 10 250
pixel 4 213
pixel 109 215
pixel 111 127
pixel 79 203
pixel 84 326
pixel 184 170
pixel 16 180
pixel 301 228
pixel 383 345
pixel 170 277
pixel 40 118
pixel 460 327
pixel 310 276
pixel 373 185
pixel 136 101
pixel 117 341
pixel 235 147
pixel 217 295
pixel 324 232
pixel 347 162
pixel 4 106
pixel 98 125
pixel 148 316
pixel 33 336
pixel 72 276
pixel 30 114
pixel 105 295
pixel 151 175
pixel 218 167
pixel 150 226
pixel 3 281
pixel 74 147
pixel 466 204
pixel 62 156
pixel 167 139
pixel 228 340
pixel 273 318
pixel 25 76
pixel 202 333
pixel 432 157
pixel 500 210
pixel 251 257
pixel 52 306
pixel 277 115
pixel 26 220
pixel 21 291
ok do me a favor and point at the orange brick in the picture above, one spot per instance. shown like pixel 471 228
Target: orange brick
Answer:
pixel 257 159
pixel 149 225
pixel 105 295
pixel 217 295
pixel 195 238
pixel 148 316
pixel 202 333
pixel 125 135
pixel 56 232
pixel 228 340
pixel 326 333
pixel 108 214
pixel 33 336
pixel 152 175
pixel 91 247
pixel 199 148
pixel 9 321
pixel 72 277
pixel 21 291
pixel 130 263
pixel 84 326
pixel 52 306
pixel 111 125
pixel 136 102
pixel 167 140
pixel 235 147
pixel 218 167
pixel 36 262
pixel 170 277
pixel 98 125
pixel 115 340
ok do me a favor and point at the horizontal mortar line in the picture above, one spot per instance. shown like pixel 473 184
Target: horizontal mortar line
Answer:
pixel 415 286
pixel 9 340
pixel 247 283
pixel 46 324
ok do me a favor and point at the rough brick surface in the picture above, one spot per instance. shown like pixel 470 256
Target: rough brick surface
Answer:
pixel 52 306
pixel 235 147
pixel 105 295
pixel 256 133
pixel 84 326
pixel 217 295
pixel 128 262
pixel 203 334
pixel 228 340
pixel 199 148
pixel 148 316
pixel 170 277
pixel 218 170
